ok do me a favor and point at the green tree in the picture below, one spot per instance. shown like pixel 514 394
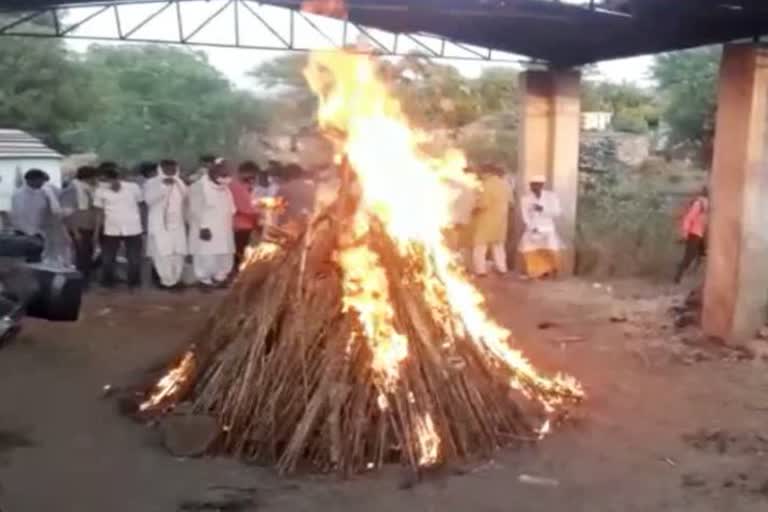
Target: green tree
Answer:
pixel 635 108
pixel 438 95
pixel 283 72
pixel 45 89
pixel 432 95
pixel 687 83
pixel 496 90
pixel 156 101
pixel 292 103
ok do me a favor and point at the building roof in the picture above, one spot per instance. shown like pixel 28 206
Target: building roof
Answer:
pixel 565 33
pixel 19 144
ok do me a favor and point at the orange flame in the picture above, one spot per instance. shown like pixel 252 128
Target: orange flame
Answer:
pixel 409 194
pixel 270 203
pixel 333 8
pixel 366 291
pixel 171 382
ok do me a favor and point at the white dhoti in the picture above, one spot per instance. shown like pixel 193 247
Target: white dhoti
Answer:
pixel 167 237
pixel 212 269
pixel 169 268
pixel 211 209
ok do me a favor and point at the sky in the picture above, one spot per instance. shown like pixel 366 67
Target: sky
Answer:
pixel 235 63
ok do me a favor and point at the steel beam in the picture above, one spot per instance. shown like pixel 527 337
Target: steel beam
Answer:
pixel 285 36
pixel 146 20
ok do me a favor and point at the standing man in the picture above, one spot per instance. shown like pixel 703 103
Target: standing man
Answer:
pixel 460 202
pixel 694 232
pixel 58 245
pixel 246 216
pixel 212 239
pixel 166 197
pixel 540 244
pixel 80 218
pixel 146 171
pixel 30 207
pixel 206 162
pixel 491 220
pixel 120 224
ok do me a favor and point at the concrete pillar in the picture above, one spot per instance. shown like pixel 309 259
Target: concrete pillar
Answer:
pixel 550 124
pixel 736 285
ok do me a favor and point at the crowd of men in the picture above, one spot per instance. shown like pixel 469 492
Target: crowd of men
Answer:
pixel 207 220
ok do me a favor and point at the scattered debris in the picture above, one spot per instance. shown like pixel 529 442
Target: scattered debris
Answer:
pixel 749 482
pixel 724 442
pixel 619 317
pixel 107 390
pixel 538 480
pixel 570 339
pixel 104 312
pixel 693 480
pixel 222 499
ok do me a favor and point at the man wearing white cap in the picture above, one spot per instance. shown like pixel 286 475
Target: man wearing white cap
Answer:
pixel 540 244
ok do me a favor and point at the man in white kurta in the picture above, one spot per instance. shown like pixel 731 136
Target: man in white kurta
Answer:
pixel 460 200
pixel 540 244
pixel 211 233
pixel 166 196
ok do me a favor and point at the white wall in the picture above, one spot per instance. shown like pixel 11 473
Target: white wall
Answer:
pixel 12 170
pixel 596 121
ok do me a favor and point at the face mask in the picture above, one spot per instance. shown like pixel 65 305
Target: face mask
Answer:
pixel 225 180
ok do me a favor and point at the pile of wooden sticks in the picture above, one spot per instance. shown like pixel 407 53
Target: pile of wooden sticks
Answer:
pixel 289 377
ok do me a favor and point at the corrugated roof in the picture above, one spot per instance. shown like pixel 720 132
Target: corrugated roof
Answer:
pixel 19 144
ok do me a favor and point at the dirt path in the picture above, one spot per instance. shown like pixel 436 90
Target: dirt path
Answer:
pixel 657 434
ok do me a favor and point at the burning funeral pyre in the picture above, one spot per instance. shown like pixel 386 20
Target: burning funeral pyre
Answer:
pixel 362 341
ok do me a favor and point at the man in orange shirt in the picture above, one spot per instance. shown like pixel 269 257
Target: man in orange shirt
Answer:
pixel 246 216
pixel 694 232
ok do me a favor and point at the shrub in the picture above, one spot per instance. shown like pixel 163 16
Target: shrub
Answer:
pixel 625 228
pixel 630 121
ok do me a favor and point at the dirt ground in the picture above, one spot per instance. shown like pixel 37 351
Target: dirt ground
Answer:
pixel 671 424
